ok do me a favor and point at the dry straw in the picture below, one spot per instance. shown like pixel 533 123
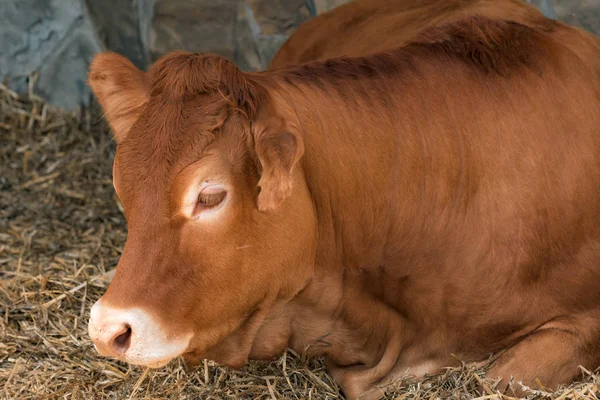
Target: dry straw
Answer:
pixel 61 231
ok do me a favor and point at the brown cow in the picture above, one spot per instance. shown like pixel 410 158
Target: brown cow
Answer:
pixel 386 212
pixel 363 27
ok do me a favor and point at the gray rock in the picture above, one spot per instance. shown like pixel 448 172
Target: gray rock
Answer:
pixel 193 25
pixel 30 34
pixel 322 6
pixel 118 25
pixel 545 6
pixel 63 75
pixel 583 13
pixel 272 21
pixel 58 38
pixel 267 46
pixel 246 55
pixel 275 17
pixel 146 12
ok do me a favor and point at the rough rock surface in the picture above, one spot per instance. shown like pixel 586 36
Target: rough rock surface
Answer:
pixel 272 21
pixel 325 5
pixel 52 37
pixel 194 25
pixel 582 13
pixel 117 24
pixel 56 39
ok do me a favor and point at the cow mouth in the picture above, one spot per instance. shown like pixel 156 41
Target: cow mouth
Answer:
pixel 153 364
pixel 192 358
pixel 232 354
pixel 148 360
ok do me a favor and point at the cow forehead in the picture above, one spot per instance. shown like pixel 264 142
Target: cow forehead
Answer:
pixel 165 139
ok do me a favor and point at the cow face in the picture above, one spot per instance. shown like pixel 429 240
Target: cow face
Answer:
pixel 220 222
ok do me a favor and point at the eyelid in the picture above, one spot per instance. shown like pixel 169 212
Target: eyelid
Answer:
pixel 215 189
pixel 203 210
pixel 210 199
pixel 190 202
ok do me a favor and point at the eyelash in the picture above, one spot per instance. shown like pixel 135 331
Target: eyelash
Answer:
pixel 211 200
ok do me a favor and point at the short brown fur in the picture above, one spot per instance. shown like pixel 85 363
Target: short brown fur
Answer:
pixel 441 200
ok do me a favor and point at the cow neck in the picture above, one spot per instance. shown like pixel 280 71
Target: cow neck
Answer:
pixel 340 314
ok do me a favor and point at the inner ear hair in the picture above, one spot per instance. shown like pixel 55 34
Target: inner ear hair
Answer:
pixel 121 89
pixel 278 147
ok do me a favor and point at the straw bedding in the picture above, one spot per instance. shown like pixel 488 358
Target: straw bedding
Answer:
pixel 61 231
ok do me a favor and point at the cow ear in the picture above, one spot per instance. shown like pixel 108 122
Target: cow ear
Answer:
pixel 278 152
pixel 121 90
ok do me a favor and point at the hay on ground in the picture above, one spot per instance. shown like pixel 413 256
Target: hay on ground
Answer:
pixel 61 231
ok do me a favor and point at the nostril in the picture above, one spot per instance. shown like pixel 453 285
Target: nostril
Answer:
pixel 121 342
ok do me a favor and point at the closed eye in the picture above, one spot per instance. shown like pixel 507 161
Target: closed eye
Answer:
pixel 209 198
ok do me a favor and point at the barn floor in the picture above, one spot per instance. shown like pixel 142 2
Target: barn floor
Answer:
pixel 61 230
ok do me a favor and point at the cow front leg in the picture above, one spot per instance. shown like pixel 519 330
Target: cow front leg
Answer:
pixel 550 355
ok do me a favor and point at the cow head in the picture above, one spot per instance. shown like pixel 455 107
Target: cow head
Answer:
pixel 221 225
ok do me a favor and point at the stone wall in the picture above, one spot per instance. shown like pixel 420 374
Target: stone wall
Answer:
pixel 56 39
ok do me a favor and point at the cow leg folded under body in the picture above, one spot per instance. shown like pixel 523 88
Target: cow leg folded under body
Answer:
pixel 549 356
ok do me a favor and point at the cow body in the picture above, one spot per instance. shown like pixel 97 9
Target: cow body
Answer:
pixel 392 211
pixel 362 27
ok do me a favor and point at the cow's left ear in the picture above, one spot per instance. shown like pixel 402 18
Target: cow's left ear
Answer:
pixel 121 90
pixel 279 149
